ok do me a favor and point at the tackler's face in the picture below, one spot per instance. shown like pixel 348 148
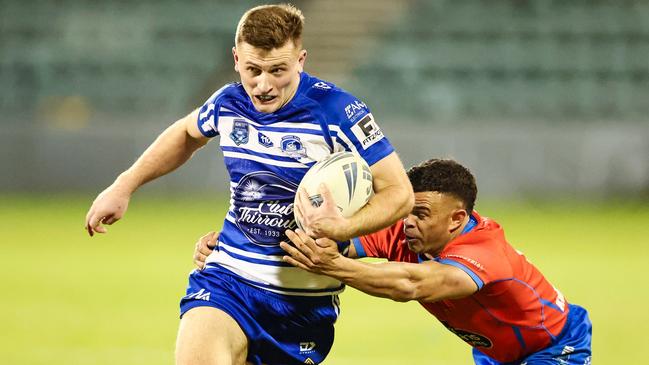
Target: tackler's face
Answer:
pixel 433 222
pixel 270 78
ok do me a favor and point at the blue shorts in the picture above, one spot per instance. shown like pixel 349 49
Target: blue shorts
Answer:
pixel 281 329
pixel 571 347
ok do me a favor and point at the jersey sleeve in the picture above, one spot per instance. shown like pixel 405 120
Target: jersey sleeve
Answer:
pixel 359 132
pixel 208 114
pixel 480 260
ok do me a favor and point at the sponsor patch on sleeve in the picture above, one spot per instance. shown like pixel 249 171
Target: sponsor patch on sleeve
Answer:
pixel 355 110
pixel 367 131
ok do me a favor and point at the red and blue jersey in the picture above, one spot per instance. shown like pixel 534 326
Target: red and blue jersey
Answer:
pixel 515 311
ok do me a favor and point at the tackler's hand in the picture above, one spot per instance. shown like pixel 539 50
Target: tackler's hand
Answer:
pixel 313 255
pixel 204 247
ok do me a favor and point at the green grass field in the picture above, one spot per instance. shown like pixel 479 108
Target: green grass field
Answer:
pixel 113 299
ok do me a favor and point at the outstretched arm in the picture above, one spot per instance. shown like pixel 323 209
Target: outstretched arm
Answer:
pixel 170 150
pixel 399 281
pixel 206 244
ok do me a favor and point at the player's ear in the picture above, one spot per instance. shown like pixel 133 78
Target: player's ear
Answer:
pixel 300 59
pixel 236 59
pixel 457 218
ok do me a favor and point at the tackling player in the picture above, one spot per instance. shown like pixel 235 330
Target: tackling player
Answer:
pixel 461 269
pixel 249 305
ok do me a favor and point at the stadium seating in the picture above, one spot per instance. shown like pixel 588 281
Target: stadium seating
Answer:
pixel 513 59
pixel 121 57
pixel 449 60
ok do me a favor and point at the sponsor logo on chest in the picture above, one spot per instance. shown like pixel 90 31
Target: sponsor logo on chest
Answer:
pixel 472 338
pixel 263 207
pixel 264 140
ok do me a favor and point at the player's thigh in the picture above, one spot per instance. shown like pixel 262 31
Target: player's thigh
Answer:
pixel 210 336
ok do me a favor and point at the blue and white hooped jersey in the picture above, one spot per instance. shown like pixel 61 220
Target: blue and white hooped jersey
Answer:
pixel 266 155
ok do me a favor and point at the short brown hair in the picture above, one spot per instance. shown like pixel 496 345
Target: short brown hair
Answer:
pixel 271 26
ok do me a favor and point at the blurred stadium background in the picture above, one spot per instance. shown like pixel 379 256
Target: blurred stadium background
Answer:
pixel 545 100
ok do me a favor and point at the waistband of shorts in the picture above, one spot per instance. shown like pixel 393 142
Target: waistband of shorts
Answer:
pixel 271 290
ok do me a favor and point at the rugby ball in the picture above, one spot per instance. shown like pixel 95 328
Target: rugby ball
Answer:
pixel 348 178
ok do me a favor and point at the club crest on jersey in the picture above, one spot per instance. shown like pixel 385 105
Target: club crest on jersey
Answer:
pixel 264 140
pixel 239 134
pixel 292 146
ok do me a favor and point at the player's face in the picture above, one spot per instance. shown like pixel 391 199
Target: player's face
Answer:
pixel 433 222
pixel 270 78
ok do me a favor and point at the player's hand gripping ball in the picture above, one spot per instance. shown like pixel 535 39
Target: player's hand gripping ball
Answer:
pixel 348 178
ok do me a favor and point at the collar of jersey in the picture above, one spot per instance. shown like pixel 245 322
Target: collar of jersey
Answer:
pixel 470 225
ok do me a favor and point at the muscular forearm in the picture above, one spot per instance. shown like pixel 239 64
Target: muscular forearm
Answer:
pixel 397 281
pixel 385 208
pixel 169 151
pixel 393 199
pixel 401 281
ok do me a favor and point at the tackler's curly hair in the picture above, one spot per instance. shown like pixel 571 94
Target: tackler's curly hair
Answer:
pixel 445 176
